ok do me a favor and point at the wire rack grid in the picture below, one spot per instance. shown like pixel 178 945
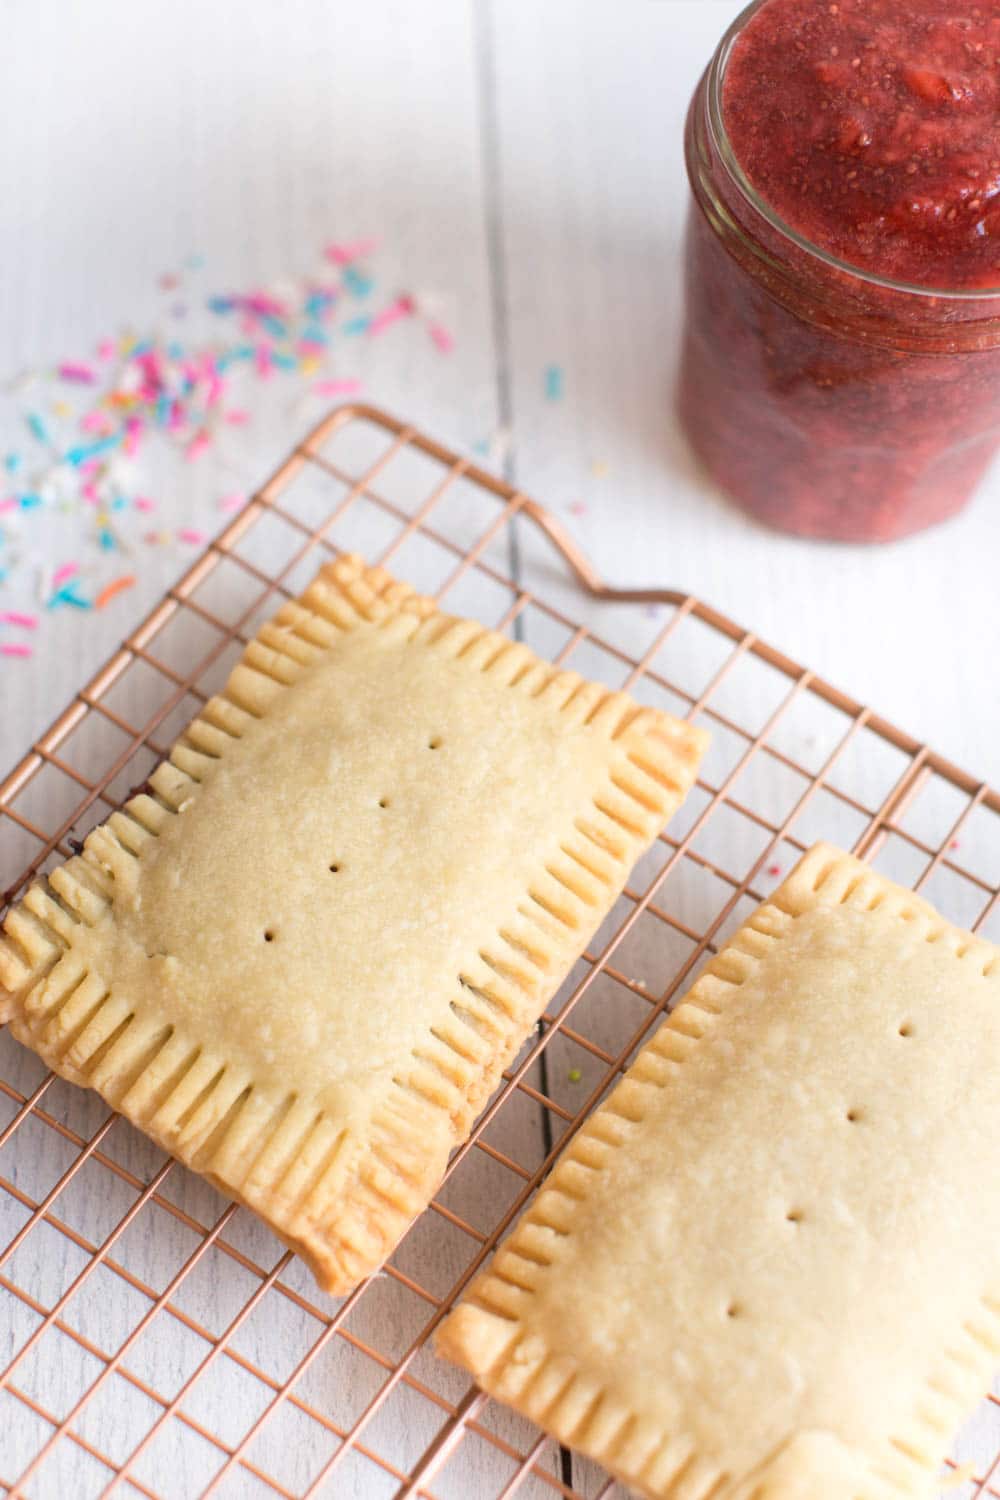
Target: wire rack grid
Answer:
pixel 155 1340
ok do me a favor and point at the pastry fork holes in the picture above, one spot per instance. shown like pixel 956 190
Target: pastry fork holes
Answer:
pixel 906 1029
pixel 434 743
pixel 383 802
pixel 795 1216
pixel 268 935
pixel 734 1310
pixel 334 868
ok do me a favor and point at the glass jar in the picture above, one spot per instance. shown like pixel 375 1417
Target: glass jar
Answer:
pixel 823 398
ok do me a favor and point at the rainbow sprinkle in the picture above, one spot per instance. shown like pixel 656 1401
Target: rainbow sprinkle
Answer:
pixel 555 384
pixel 112 589
pixel 143 392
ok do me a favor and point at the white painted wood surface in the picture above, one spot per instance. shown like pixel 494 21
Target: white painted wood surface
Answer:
pixel 522 163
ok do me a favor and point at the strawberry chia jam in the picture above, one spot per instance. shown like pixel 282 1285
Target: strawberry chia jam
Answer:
pixel 841 365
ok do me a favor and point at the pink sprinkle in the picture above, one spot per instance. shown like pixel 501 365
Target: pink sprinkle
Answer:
pixel 197 445
pixel 441 337
pixel 149 364
pixel 248 324
pixel 232 502
pixel 64 574
pixel 237 418
pixel 578 508
pixel 90 466
pixel 178 418
pixel 95 421
pixel 262 361
pixel 188 534
pixel 342 254
pixel 13 648
pixel 9 502
pixel 107 349
pixel 152 538
pixel 216 386
pixel 142 503
pixel 401 308
pixel 264 306
pixel 134 428
pixel 337 387
pixel 15 617
pixel 89 493
pixel 955 844
pixel 774 871
pixel 82 374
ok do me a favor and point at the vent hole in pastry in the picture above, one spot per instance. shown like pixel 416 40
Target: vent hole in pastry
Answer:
pixel 383 802
pixel 268 936
pixel 795 1216
pixel 734 1310
pixel 434 743
pixel 853 1116
pixel 334 869
pixel 906 1029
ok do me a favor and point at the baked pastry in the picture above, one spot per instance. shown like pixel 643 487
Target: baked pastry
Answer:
pixel 768 1267
pixel 302 958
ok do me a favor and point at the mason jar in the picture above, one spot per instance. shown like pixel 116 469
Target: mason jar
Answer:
pixel 829 398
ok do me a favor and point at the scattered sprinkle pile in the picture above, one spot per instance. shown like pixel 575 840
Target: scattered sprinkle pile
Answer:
pixel 89 421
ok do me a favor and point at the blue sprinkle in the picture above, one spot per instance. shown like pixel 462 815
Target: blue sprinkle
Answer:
pixel 318 302
pixel 106 540
pixel 145 346
pixel 221 304
pixel 175 351
pixel 195 262
pixel 315 335
pixel 68 595
pixel 37 427
pixel 163 405
pixel 12 463
pixel 275 327
pixel 553 383
pixel 357 325
pixel 284 361
pixel 356 282
pixel 30 501
pixel 77 456
pixel 118 504
pixel 245 351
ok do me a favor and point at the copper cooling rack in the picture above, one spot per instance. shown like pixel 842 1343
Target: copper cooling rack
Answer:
pixel 155 1340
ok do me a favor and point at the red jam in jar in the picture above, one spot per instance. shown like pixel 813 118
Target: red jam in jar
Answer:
pixel 841 366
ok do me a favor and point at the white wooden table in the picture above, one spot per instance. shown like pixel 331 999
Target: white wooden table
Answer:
pixel 522 164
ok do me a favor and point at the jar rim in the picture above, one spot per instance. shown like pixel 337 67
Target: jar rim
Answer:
pixel 727 155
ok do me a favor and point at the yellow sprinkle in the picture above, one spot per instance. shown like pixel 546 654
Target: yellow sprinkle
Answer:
pixel 61 409
pixel 309 365
pixel 103 518
pixel 600 469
